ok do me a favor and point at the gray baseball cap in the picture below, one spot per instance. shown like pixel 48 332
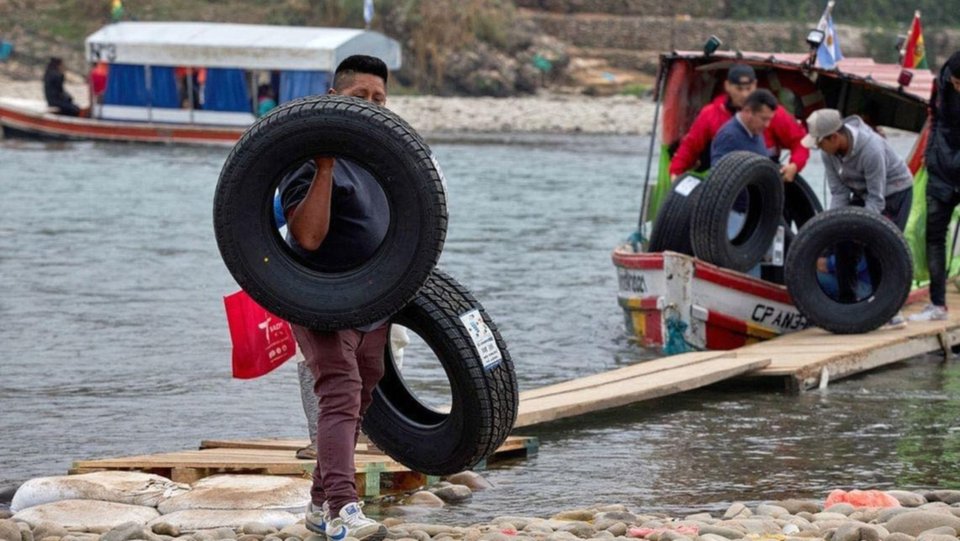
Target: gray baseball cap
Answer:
pixel 821 123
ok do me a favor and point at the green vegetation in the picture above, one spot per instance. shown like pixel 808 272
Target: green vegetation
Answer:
pixel 866 12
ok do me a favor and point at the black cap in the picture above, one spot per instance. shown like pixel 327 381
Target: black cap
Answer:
pixel 741 74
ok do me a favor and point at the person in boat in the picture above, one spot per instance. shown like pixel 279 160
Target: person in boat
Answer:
pixel 745 129
pixel 266 99
pixel 784 132
pixel 943 181
pixel 53 89
pixel 337 215
pixel 861 169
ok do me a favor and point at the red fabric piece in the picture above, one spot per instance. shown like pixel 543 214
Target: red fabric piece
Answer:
pixel 784 133
pixel 861 498
pixel 261 340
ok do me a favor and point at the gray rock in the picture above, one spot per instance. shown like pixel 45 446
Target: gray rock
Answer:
pixel 940 530
pixel 700 517
pixel 250 537
pixel 9 531
pixel 841 508
pixel 48 529
pixel 771 510
pixel 258 528
pixel 866 514
pixel 794 506
pixel 454 493
pixel 297 530
pixel 936 537
pixel 946 496
pixel 421 535
pixel 712 537
pixel 431 529
pixel 315 537
pixel 602 521
pixel 671 535
pixel 886 514
pixel 225 533
pixel 899 537
pixel 603 535
pixel 727 533
pixel 828 515
pixel 856 531
pixel 165 528
pixel 424 498
pixel 915 522
pixel 908 499
pixel 562 536
pixel 580 529
pixel 494 536
pixel 538 526
pixel 126 532
pixel 737 510
pixel 26 535
pixel 619 529
pixel 473 480
pixel 272 538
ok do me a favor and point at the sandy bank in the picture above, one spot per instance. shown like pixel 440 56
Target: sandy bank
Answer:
pixel 548 113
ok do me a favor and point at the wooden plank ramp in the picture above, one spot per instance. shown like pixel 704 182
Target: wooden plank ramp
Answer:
pixel 802 359
pixel 376 473
pixel 643 381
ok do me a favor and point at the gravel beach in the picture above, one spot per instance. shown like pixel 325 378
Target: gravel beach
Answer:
pixel 546 113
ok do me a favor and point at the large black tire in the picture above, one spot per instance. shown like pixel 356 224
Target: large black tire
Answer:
pixel 800 203
pixel 484 398
pixel 260 260
pixel 671 228
pixel 878 236
pixel 734 173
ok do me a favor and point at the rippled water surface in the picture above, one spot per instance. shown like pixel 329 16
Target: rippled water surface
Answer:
pixel 114 340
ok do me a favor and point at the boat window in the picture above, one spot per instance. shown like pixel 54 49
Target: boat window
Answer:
pixel 226 89
pixel 297 84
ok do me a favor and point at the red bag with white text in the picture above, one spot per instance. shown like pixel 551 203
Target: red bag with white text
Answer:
pixel 261 340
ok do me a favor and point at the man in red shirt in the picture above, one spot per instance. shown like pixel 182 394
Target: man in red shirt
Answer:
pixel 784 131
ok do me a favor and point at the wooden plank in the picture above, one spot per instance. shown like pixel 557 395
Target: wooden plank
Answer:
pixel 579 400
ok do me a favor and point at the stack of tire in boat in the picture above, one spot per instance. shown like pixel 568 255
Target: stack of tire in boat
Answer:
pixel 693 217
pixel 399 281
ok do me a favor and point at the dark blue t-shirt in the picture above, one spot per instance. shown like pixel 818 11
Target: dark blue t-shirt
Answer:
pixel 733 136
pixel 359 214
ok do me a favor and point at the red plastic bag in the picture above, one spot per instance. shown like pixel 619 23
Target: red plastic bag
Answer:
pixel 261 340
pixel 861 498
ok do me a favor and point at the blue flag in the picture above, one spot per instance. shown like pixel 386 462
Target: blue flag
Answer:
pixel 367 11
pixel 828 54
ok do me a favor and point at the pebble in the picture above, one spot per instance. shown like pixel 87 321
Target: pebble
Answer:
pixel 424 498
pixel 908 499
pixel 9 531
pixel 454 493
pixel 737 510
pixel 575 514
pixel 472 480
pixel 946 496
pixel 258 528
pixel 916 522
pixel 165 528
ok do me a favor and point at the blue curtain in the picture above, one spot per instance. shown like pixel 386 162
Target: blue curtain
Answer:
pixel 163 87
pixel 297 84
pixel 126 85
pixel 226 90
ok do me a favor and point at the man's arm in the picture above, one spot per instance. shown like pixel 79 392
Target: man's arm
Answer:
pixel 309 222
pixel 839 192
pixel 692 145
pixel 875 175
pixel 788 133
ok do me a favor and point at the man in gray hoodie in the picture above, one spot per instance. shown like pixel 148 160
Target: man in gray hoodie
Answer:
pixel 862 169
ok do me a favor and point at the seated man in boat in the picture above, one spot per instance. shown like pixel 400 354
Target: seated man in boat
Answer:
pixel 784 132
pixel 337 216
pixel 53 89
pixel 861 169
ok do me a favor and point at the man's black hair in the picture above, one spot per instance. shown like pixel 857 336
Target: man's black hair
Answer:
pixel 954 64
pixel 359 63
pixel 759 98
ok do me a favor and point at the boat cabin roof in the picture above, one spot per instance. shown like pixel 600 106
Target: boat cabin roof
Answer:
pixel 246 46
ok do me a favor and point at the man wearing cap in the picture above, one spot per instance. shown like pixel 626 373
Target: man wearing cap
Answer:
pixel 861 167
pixel 784 132
pixel 943 183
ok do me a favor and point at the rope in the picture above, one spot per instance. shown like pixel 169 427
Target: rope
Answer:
pixel 675 342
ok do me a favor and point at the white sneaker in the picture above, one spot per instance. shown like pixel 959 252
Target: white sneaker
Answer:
pixel 351 522
pixel 931 312
pixel 896 322
pixel 316 520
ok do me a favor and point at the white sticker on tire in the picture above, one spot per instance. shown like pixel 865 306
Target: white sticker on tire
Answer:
pixel 483 339
pixel 685 186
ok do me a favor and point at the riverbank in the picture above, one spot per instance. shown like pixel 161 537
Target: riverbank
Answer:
pixel 545 113
pixel 904 516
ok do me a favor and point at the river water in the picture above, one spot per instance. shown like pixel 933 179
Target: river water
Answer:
pixel 114 340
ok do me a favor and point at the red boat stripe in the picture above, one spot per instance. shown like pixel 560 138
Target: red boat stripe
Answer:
pixel 638 261
pixel 742 283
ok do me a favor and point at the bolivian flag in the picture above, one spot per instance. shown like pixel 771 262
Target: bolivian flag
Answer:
pixel 914 53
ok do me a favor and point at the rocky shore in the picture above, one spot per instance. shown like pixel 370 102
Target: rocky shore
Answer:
pixel 158 511
pixel 545 113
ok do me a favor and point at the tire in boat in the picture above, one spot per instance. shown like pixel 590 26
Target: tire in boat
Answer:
pixel 736 172
pixel 879 237
pixel 800 203
pixel 671 228
pixel 483 389
pixel 285 284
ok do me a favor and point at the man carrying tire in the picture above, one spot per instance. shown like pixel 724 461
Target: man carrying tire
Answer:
pixel 862 169
pixel 337 217
pixel 943 182
pixel 783 132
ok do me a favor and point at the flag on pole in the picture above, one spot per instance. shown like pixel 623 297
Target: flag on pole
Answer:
pixel 116 10
pixel 828 54
pixel 367 11
pixel 914 53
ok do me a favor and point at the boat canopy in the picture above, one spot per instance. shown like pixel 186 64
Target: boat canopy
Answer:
pixel 244 46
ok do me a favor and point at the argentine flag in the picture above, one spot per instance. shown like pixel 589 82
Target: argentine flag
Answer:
pixel 367 11
pixel 828 54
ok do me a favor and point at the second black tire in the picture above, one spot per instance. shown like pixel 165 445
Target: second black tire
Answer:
pixel 737 172
pixel 671 228
pixel 483 386
pixel 302 292
pixel 879 237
